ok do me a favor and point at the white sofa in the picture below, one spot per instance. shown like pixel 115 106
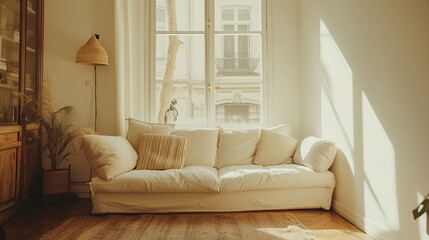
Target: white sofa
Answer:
pixel 207 188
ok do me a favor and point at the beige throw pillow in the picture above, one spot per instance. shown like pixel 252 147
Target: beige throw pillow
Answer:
pixel 136 128
pixel 274 149
pixel 109 156
pixel 160 152
pixel 315 153
pixel 237 147
pixel 201 145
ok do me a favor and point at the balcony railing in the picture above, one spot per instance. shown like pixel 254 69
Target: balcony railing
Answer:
pixel 237 66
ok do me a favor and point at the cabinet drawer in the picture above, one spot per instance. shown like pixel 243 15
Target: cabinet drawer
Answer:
pixel 9 138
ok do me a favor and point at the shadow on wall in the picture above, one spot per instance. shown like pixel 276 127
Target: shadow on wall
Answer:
pixel 365 167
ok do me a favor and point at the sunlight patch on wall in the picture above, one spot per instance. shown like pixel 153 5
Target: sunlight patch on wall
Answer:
pixel 381 202
pixel 336 95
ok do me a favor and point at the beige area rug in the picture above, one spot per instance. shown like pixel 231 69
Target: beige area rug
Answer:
pixel 244 225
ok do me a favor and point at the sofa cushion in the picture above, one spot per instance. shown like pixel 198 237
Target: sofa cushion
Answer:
pixel 274 149
pixel 315 153
pixel 136 128
pixel 256 177
pixel 188 179
pixel 237 147
pixel 109 156
pixel 160 152
pixel 201 146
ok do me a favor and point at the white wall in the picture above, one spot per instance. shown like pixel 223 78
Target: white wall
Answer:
pixel 68 25
pixel 285 79
pixel 365 84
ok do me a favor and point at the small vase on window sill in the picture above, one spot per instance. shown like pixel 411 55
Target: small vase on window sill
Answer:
pixel 171 114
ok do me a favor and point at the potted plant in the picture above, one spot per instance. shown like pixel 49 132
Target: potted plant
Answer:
pixel 58 133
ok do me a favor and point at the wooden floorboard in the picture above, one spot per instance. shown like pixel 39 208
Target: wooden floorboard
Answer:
pixel 38 220
pixel 329 225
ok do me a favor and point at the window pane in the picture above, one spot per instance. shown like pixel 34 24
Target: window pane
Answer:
pixel 238 82
pixel 238 55
pixel 190 97
pixel 238 102
pixel 187 69
pixel 160 16
pixel 190 59
pixel 238 12
pixel 161 21
pixel 189 15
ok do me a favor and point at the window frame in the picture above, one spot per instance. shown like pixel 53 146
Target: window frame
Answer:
pixel 210 71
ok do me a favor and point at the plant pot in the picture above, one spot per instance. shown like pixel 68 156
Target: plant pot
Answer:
pixel 56 182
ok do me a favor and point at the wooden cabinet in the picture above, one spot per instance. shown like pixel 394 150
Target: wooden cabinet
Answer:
pixel 10 162
pixel 21 45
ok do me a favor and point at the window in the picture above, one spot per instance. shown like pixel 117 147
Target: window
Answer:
pixel 208 57
pixel 235 47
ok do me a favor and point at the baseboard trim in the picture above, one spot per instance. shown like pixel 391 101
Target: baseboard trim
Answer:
pixel 367 225
pixel 81 188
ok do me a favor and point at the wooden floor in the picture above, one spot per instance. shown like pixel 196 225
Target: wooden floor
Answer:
pixel 38 220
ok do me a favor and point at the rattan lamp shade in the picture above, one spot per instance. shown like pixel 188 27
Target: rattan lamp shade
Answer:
pixel 92 53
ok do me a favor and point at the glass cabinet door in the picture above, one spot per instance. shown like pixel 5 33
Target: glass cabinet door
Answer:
pixel 31 61
pixel 9 61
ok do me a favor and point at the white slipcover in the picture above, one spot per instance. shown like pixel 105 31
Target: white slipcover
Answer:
pixel 315 153
pixel 294 198
pixel 285 176
pixel 187 179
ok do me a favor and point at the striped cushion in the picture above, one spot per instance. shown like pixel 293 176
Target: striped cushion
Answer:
pixel 160 152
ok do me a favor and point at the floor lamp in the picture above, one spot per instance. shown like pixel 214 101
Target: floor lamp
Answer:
pixel 92 53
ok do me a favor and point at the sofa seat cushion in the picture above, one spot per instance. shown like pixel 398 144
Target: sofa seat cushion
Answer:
pixel 188 179
pixel 256 177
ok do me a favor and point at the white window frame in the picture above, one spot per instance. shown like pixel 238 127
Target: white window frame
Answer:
pixel 209 34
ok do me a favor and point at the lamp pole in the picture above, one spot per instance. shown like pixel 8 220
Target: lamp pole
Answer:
pixel 95 98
